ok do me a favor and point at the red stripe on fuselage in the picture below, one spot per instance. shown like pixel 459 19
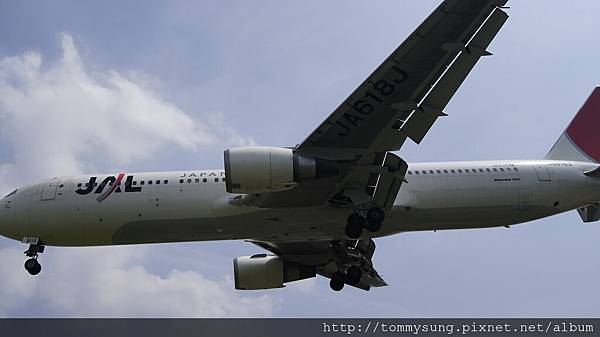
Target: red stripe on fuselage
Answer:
pixel 112 188
pixel 584 130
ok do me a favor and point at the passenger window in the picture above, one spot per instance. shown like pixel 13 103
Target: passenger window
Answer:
pixel 495 169
pixel 424 172
pixel 516 169
pixel 488 170
pixel 216 180
pixel 431 171
pixel 445 171
pixel 149 182
pixel 222 179
pixel 189 181
pixel 417 172
pixel 501 169
pixel 79 185
pixel 466 170
pixel 459 171
pixel 142 182
pixel 197 180
pixel 157 182
pixel 481 170
pixel 409 172
pixel 438 171
pixel 166 181
pixel 452 171
pixel 204 180
pixel 181 181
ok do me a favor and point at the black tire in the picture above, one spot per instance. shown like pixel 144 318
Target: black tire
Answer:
pixel 353 275
pixel 354 226
pixel 373 226
pixel 37 270
pixel 33 267
pixel 375 217
pixel 337 281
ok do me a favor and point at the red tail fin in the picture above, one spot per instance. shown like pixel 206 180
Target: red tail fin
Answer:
pixel 581 140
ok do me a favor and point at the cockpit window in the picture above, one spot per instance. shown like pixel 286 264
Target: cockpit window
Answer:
pixel 11 193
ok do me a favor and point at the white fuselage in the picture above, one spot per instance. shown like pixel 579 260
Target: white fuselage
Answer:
pixel 194 206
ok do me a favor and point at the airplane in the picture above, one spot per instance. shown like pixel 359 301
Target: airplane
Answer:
pixel 316 207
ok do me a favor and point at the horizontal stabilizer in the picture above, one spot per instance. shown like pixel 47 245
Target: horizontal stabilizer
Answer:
pixel 595 173
pixel 590 213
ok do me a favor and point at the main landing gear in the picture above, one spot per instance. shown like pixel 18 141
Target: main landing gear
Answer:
pixel 371 220
pixel 352 277
pixel 32 265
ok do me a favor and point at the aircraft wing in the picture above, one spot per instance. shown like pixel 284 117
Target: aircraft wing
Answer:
pixel 327 256
pixel 405 95
pixel 401 99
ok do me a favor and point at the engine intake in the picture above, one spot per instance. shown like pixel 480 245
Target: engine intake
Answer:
pixel 265 169
pixel 264 271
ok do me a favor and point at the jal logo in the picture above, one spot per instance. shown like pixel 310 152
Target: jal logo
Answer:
pixel 113 183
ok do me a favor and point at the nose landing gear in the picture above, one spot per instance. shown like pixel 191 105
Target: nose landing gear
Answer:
pixel 36 247
pixel 32 266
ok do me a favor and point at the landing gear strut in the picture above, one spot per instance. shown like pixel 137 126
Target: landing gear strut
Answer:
pixel 32 265
pixel 372 221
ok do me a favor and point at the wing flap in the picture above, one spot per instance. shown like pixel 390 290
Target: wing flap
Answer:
pixel 389 182
pixel 432 106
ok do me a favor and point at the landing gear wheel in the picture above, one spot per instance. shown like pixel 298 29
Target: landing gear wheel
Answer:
pixel 353 275
pixel 33 267
pixel 375 217
pixel 337 281
pixel 354 226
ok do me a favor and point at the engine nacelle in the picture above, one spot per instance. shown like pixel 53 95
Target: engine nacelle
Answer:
pixel 264 271
pixel 265 169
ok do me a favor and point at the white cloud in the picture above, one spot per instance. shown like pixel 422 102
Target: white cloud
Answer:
pixel 111 282
pixel 54 115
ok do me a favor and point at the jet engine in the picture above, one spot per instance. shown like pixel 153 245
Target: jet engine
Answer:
pixel 265 169
pixel 264 271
